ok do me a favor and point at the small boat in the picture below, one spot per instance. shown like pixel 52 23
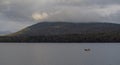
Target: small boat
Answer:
pixel 87 49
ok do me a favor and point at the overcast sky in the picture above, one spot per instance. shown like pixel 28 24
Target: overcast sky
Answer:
pixel 18 14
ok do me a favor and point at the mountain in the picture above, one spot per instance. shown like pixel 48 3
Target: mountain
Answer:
pixel 66 32
pixel 58 28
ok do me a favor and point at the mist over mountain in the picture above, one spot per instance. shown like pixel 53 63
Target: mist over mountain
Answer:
pixel 17 14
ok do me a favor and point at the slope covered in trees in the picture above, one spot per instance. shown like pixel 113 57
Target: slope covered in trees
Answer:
pixel 66 32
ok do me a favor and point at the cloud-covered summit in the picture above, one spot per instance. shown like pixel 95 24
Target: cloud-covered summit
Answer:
pixel 22 13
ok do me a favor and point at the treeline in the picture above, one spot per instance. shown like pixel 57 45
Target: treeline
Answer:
pixel 86 37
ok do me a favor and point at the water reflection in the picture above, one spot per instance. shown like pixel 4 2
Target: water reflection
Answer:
pixel 60 54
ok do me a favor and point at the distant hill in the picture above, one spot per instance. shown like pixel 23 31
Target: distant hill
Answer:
pixel 66 32
pixel 56 28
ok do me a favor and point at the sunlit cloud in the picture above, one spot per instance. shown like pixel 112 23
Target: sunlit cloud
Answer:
pixel 44 16
pixel 39 16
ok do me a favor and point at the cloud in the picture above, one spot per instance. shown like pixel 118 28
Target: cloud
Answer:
pixel 75 15
pixel 102 2
pixel 38 16
pixel 21 10
pixel 22 13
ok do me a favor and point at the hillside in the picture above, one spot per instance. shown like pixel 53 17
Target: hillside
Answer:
pixel 56 28
pixel 67 32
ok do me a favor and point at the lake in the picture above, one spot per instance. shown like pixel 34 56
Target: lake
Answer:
pixel 60 54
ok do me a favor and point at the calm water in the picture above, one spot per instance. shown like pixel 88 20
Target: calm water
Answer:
pixel 60 54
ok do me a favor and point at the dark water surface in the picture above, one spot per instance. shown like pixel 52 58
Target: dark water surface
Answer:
pixel 60 54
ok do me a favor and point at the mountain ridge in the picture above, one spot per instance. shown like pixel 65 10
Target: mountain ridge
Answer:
pixel 56 28
pixel 66 32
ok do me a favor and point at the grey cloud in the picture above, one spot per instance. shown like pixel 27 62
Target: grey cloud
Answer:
pixel 114 17
pixel 89 2
pixel 19 12
pixel 76 15
pixel 102 2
